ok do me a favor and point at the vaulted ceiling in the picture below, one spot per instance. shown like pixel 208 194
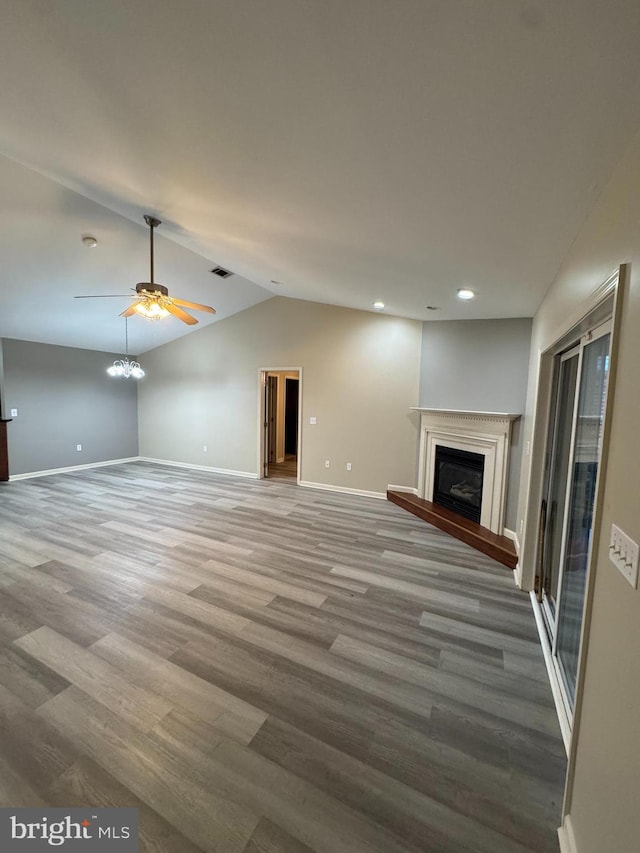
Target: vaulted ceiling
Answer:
pixel 340 151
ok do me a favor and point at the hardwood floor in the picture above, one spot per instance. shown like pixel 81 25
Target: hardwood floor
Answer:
pixel 261 668
pixel 285 470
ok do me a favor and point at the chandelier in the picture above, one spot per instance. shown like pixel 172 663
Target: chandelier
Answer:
pixel 124 367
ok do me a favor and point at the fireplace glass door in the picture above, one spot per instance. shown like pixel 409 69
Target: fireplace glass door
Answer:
pixel 457 482
pixel 575 441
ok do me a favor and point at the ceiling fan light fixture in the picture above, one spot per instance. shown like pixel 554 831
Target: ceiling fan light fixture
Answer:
pixel 151 309
pixel 152 300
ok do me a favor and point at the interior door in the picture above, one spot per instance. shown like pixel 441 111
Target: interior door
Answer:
pixel 572 468
pixel 271 411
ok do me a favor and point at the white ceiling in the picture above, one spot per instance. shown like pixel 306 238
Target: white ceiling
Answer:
pixel 44 264
pixel 351 150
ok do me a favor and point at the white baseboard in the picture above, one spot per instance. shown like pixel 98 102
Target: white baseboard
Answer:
pixel 50 471
pixel 566 837
pixel 250 475
pixel 410 489
pixel 511 534
pixel 343 489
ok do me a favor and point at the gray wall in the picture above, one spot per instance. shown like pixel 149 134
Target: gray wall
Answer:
pixel 359 380
pixel 65 397
pixel 479 365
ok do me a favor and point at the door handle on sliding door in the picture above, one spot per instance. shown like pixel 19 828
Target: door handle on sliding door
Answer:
pixel 542 528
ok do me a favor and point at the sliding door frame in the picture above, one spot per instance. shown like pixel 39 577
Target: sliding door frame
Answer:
pixel 578 348
pixel 574 351
pixel 605 302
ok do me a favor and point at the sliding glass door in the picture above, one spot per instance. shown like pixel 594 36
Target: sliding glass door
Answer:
pixel 575 441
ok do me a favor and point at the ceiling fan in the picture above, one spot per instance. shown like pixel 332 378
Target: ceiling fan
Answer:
pixel 152 299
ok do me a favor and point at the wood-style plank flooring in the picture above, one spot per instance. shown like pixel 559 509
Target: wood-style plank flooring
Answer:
pixel 259 667
pixel 285 470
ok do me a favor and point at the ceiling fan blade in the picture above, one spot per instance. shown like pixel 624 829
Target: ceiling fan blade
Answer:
pixel 195 305
pixel 104 296
pixel 128 312
pixel 180 314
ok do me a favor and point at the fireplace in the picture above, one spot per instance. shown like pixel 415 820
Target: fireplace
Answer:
pixel 476 434
pixel 458 479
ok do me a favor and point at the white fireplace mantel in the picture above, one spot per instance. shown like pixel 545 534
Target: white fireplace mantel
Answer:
pixel 487 433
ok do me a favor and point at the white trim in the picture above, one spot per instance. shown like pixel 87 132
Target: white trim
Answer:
pixel 49 471
pixel 469 413
pixel 561 708
pixel 343 489
pixel 566 836
pixel 486 433
pixel 250 475
pixel 262 374
pixel 586 307
pixel 511 534
pixel 409 489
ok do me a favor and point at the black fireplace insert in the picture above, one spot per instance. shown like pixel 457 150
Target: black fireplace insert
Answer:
pixel 457 483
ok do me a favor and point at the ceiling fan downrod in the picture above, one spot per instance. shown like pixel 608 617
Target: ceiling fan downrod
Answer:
pixel 152 222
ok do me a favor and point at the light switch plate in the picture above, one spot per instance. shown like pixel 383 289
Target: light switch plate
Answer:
pixel 313 420
pixel 14 413
pixel 623 553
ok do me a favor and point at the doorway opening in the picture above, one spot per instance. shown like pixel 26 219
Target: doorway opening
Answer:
pixel 280 424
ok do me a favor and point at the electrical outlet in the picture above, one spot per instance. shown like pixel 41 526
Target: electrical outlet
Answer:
pixel 14 413
pixel 78 447
pixel 327 464
pixel 623 553
pixel 348 466
pixel 204 448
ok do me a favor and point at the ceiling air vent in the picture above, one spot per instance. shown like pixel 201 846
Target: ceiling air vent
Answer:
pixel 221 272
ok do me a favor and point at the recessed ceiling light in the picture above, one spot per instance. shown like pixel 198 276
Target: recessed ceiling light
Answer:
pixel 466 293
pixel 89 241
pixel 378 305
